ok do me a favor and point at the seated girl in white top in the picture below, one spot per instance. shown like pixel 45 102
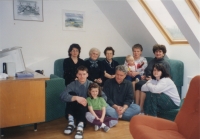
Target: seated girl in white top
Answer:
pixel 161 92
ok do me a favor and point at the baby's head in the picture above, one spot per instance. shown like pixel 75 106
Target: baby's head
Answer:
pixel 94 90
pixel 130 60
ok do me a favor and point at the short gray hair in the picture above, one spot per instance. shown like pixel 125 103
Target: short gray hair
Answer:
pixel 121 68
pixel 94 50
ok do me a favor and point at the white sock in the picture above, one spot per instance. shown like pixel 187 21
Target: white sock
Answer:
pixel 80 126
pixel 71 120
pixel 102 125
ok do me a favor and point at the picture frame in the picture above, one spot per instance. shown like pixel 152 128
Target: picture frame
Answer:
pixel 29 10
pixel 73 20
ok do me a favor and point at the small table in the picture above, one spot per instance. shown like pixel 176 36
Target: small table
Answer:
pixel 22 100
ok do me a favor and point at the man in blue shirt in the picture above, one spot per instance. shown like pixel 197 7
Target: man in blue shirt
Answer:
pixel 119 92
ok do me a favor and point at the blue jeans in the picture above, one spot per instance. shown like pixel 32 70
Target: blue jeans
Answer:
pixel 132 110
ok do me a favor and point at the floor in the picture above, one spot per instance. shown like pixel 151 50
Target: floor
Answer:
pixel 54 130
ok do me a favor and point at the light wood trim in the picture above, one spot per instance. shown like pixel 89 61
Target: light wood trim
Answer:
pixel 160 26
pixel 194 9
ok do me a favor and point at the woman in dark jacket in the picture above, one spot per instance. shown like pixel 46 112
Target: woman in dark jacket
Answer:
pixel 71 64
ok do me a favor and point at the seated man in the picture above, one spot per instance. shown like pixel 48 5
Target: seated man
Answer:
pixel 75 95
pixel 119 94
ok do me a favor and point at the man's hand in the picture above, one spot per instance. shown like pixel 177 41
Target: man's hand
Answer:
pixel 119 109
pixel 81 100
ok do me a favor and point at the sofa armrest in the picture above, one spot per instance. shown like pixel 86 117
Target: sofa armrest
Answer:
pixel 55 108
pixel 177 71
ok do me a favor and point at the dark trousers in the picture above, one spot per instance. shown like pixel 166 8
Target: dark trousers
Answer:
pixel 106 119
pixel 77 110
pixel 156 102
pixel 132 78
pixel 139 85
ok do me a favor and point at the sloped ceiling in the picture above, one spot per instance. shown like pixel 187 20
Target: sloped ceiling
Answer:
pixel 127 23
pixel 183 25
pixel 131 28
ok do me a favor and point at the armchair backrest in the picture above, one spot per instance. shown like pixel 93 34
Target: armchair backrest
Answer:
pixel 58 67
pixel 188 118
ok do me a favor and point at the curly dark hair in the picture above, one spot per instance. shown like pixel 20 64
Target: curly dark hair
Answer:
pixel 94 85
pixel 74 45
pixel 159 47
pixel 109 48
pixel 161 68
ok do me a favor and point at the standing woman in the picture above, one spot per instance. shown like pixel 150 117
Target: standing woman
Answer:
pixel 161 92
pixel 109 64
pixel 94 66
pixel 71 64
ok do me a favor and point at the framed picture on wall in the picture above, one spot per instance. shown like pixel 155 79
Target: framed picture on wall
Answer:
pixel 73 20
pixel 29 10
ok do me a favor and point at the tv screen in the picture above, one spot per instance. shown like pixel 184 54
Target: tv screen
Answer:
pixel 13 55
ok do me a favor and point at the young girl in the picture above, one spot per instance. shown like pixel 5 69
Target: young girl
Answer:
pixel 130 64
pixel 161 92
pixel 96 106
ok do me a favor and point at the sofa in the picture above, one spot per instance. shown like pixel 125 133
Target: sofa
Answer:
pixel 177 69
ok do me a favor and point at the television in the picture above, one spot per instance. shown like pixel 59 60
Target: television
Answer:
pixel 12 56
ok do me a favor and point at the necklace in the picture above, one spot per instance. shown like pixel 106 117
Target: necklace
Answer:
pixel 110 64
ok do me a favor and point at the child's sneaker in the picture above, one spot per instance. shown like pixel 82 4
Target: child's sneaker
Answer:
pixel 106 128
pixel 137 80
pixel 96 127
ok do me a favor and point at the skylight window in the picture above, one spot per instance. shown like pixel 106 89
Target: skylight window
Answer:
pixel 195 7
pixel 164 21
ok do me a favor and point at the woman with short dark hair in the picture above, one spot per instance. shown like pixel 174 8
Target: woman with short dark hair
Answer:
pixel 109 64
pixel 71 64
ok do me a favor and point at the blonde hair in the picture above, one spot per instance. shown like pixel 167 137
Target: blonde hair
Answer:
pixel 94 50
pixel 129 57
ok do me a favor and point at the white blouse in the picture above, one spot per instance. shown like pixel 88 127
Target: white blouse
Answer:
pixel 164 85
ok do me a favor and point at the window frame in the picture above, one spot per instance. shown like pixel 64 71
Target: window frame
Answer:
pixel 159 25
pixel 194 9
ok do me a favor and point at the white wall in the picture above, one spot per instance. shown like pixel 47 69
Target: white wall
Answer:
pixel 44 42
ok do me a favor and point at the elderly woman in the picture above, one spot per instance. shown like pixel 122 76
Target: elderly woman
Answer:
pixel 71 64
pixel 109 64
pixel 94 66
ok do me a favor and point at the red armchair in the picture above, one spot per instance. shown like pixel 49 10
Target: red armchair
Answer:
pixel 185 126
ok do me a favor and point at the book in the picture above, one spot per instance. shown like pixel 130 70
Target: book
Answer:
pixel 24 74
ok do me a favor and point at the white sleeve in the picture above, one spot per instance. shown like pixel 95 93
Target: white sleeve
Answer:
pixel 160 87
pixel 144 88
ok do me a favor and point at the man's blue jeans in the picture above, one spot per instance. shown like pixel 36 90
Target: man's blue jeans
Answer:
pixel 132 110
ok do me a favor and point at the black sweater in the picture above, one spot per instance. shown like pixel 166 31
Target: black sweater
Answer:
pixel 70 69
